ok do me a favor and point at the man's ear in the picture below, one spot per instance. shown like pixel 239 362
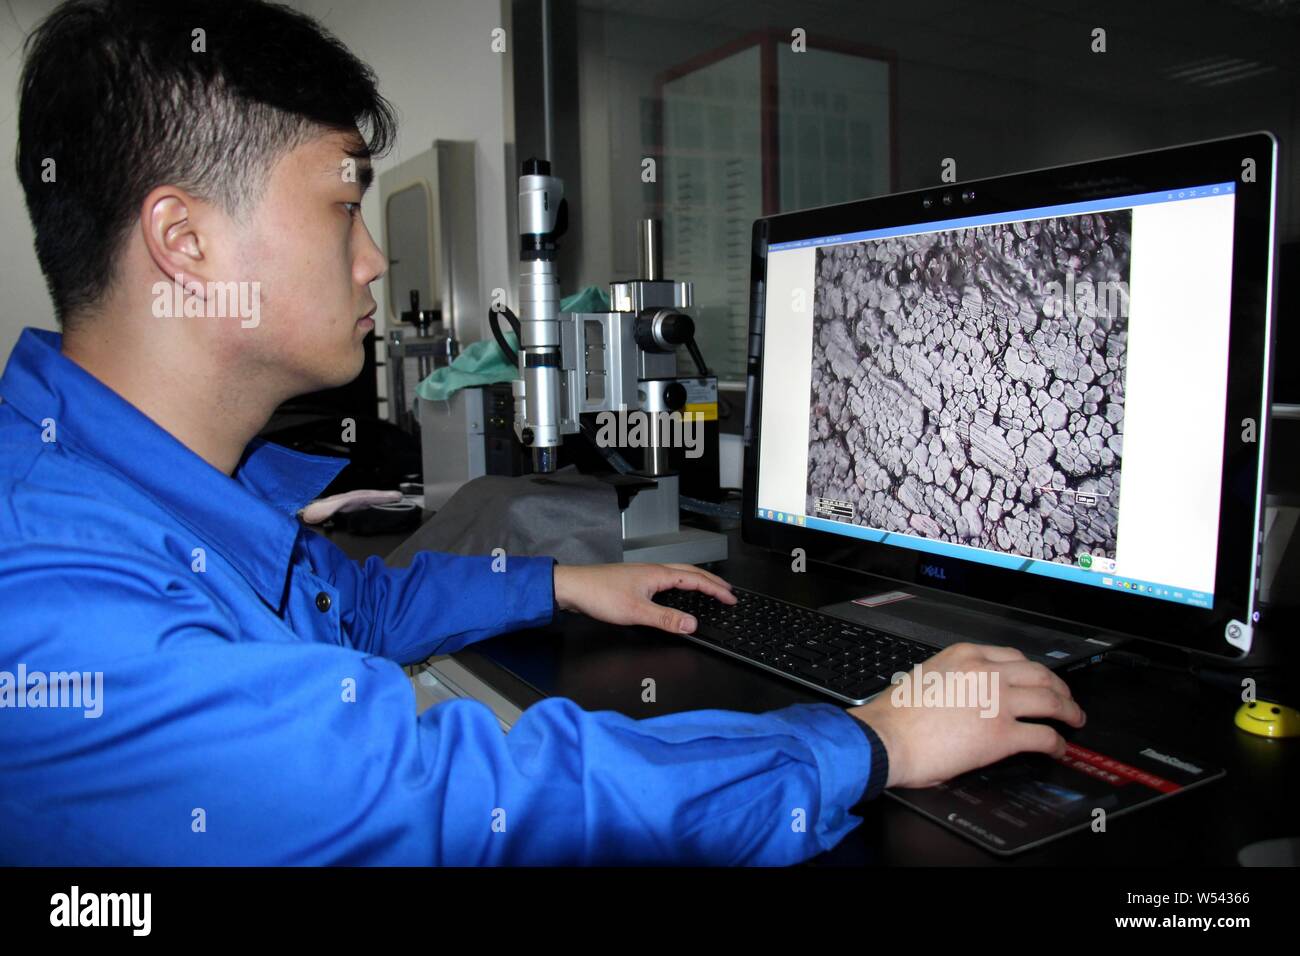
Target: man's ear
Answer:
pixel 173 238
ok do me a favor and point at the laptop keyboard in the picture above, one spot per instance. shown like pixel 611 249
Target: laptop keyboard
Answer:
pixel 848 661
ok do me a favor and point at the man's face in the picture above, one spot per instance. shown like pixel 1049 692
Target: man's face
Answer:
pixel 313 260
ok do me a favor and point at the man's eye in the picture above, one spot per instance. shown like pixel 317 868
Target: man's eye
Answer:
pixel 354 208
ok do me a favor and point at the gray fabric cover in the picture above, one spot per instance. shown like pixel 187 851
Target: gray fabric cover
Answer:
pixel 568 515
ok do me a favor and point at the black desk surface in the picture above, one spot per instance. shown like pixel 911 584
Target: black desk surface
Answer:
pixel 601 667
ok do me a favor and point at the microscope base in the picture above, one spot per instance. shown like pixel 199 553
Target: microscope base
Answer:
pixel 652 532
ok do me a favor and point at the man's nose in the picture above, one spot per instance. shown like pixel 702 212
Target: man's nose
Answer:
pixel 373 263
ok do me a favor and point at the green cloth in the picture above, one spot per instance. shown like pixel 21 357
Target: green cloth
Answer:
pixel 482 362
pixel 590 299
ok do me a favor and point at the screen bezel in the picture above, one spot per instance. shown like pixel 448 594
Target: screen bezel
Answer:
pixel 1248 388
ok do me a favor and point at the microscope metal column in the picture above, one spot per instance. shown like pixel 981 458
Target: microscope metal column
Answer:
pixel 622 361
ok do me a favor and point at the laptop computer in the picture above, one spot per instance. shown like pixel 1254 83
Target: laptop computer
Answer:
pixel 1036 405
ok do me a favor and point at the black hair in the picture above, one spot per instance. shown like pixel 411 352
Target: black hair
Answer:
pixel 126 95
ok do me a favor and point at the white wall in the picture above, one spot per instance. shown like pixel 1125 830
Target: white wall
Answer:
pixel 435 64
pixel 23 298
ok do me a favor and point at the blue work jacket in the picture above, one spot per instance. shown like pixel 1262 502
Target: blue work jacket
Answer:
pixel 191 675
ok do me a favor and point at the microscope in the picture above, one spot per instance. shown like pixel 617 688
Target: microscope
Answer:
pixel 618 368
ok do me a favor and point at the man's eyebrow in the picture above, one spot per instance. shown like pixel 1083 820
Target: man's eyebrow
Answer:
pixel 364 172
pixel 365 175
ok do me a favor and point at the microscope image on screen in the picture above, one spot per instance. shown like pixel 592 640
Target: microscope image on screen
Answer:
pixel 968 385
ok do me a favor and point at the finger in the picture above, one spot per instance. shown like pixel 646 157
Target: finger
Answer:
pixel 693 581
pixel 1037 738
pixel 665 618
pixel 997 653
pixel 1041 702
pixel 708 574
pixel 1032 674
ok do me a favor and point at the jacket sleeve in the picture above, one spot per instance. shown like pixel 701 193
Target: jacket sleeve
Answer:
pixel 213 748
pixel 439 604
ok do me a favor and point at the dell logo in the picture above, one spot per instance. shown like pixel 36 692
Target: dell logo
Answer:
pixel 934 571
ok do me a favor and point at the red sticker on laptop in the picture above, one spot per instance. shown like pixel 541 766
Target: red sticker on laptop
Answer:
pixel 884 597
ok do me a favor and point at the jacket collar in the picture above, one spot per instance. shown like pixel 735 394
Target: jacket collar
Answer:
pixel 250 517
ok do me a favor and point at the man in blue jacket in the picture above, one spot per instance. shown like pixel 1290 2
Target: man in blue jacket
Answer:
pixel 188 674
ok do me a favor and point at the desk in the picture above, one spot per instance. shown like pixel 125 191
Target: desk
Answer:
pixel 601 667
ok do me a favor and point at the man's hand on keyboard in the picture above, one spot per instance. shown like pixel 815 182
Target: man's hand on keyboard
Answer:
pixel 928 743
pixel 621 593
